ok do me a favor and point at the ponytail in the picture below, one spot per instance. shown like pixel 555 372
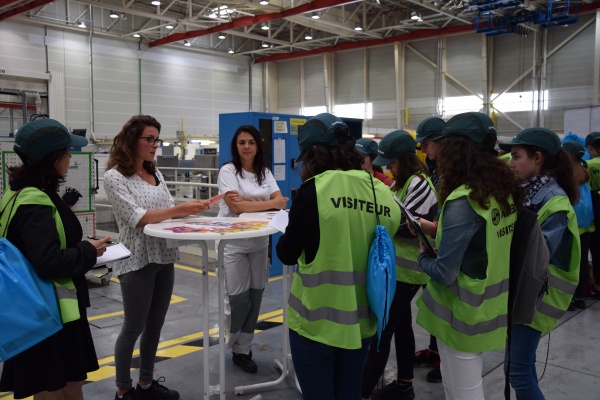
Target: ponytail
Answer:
pixel 561 167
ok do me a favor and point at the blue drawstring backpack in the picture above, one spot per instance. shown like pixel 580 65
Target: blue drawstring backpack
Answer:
pixel 584 209
pixel 381 273
pixel 30 311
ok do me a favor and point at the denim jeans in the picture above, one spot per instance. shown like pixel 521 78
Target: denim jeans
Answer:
pixel 326 372
pixel 523 376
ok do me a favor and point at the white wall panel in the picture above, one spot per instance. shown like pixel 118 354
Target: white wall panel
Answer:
pixel 382 85
pixel 349 77
pixel 314 82
pixel 420 78
pixel 18 50
pixel 288 86
pixel 464 62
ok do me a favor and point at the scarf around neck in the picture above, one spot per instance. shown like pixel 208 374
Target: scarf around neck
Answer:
pixel 532 186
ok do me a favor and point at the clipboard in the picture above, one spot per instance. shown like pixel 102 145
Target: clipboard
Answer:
pixel 113 253
pixel 410 219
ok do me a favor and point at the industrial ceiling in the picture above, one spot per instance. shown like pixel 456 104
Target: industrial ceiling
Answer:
pixel 268 30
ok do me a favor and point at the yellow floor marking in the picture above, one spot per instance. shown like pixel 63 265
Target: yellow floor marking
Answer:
pixel 174 299
pixel 103 373
pixel 177 351
pixel 210 273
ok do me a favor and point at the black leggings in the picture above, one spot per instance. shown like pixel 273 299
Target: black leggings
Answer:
pixel 399 326
pixel 584 267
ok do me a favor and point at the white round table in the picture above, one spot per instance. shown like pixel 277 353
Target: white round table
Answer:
pixel 199 230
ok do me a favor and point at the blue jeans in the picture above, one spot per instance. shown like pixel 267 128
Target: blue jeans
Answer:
pixel 523 376
pixel 326 372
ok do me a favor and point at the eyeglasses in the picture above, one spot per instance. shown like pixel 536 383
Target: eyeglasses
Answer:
pixel 152 140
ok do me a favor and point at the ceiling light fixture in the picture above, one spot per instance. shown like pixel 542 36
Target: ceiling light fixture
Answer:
pixel 263 2
pixel 230 51
pixel 155 3
pixel 169 26
pixel 264 44
pixel 315 15
pixel 414 16
pixel 358 27
pixel 222 36
pixel 81 24
pixel 113 14
pixel 187 43
pixel 264 26
pixel 124 16
pixel 308 36
pixel 136 35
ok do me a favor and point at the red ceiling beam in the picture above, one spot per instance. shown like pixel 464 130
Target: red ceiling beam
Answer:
pixel 24 8
pixel 422 34
pixel 4 3
pixel 251 20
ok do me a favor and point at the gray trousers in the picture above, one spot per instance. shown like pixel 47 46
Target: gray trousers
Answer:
pixel 146 297
pixel 245 277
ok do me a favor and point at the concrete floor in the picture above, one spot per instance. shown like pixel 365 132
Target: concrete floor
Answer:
pixel 572 370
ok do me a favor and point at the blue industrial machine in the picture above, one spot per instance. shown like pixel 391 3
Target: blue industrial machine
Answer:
pixel 280 143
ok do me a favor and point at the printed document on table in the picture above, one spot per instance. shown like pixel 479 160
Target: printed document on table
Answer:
pixel 113 253
pixel 280 221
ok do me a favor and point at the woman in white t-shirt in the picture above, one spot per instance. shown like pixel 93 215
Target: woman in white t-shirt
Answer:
pixel 249 187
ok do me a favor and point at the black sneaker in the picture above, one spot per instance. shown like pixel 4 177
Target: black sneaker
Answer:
pixel 156 391
pixel 571 306
pixel 580 304
pixel 131 394
pixel 244 362
pixel 426 358
pixel 393 391
pixel 435 375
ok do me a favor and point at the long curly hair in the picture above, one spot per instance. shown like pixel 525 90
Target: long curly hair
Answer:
pixel 259 163
pixel 460 163
pixel 43 172
pixel 319 158
pixel 560 167
pixel 409 166
pixel 122 151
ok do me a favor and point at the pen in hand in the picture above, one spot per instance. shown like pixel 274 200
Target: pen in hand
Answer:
pixel 95 238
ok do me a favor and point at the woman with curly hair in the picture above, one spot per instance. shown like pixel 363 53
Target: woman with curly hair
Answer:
pixel 546 173
pixel 465 304
pixel 330 230
pixel 137 192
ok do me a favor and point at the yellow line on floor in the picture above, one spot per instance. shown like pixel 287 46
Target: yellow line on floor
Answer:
pixel 210 273
pixel 174 299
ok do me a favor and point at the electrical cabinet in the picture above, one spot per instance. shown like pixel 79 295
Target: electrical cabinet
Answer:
pixel 280 144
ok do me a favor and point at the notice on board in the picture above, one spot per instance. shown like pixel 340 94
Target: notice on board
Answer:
pixel 279 151
pixel 280 127
pixel 279 172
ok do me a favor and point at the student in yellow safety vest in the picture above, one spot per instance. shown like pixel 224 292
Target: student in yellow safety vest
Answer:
pixel 331 225
pixel 42 226
pixel 546 172
pixel 592 141
pixel 465 303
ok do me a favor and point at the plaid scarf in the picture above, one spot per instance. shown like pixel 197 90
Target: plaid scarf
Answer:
pixel 532 186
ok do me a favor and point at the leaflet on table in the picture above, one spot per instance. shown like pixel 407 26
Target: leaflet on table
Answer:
pixel 416 226
pixel 241 225
pixel 113 253
pixel 280 220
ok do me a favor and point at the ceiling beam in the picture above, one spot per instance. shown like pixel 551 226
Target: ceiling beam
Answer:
pixel 251 20
pixel 423 34
pixel 24 8
pixel 4 3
